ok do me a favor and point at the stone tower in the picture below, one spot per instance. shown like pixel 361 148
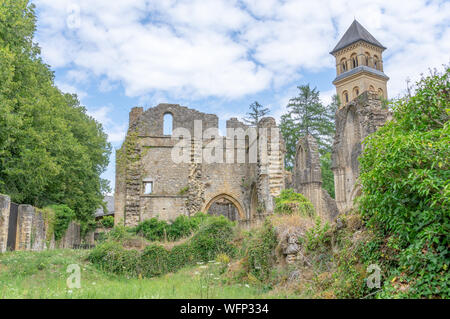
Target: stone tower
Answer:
pixel 359 65
pixel 361 87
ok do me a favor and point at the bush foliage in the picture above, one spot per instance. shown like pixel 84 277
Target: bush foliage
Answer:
pixel 51 150
pixel 61 218
pixel 214 237
pixel 405 179
pixel 289 202
pixel 155 229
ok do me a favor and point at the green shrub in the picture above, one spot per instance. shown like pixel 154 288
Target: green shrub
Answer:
pixel 405 174
pixel 154 261
pixel 289 202
pixel 112 257
pixel 317 236
pixel 152 229
pixel 260 251
pixel 119 233
pixel 107 221
pixel 213 237
pixel 62 217
pixel 158 230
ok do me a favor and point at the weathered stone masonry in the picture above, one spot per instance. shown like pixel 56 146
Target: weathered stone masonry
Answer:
pixel 32 229
pixel 308 178
pixel 354 122
pixel 187 188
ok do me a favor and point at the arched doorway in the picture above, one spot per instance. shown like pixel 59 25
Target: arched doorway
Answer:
pixel 225 205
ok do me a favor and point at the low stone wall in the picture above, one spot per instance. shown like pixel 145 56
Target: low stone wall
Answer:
pixel 32 231
pixel 4 221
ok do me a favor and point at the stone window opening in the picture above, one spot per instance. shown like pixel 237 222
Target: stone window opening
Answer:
pixel 380 93
pixel 355 91
pixel 345 94
pixel 148 188
pixel 354 59
pixel 168 124
pixel 367 59
pixel 375 62
pixel 344 65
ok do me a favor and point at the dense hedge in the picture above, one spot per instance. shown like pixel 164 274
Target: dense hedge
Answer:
pixel 154 229
pixel 213 237
pixel 290 202
pixel 405 174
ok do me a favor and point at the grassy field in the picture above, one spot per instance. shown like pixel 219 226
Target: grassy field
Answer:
pixel 43 275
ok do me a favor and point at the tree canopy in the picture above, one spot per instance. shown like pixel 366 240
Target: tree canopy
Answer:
pixel 257 112
pixel 405 178
pixel 51 151
pixel 306 114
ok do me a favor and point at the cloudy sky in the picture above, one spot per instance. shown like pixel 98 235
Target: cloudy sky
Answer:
pixel 218 56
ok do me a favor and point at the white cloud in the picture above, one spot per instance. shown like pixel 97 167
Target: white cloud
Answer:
pixel 68 88
pixel 116 132
pixel 229 49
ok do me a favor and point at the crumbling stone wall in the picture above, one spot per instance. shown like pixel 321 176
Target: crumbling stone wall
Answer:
pixel 308 178
pixel 24 227
pixel 5 203
pixel 192 186
pixel 271 173
pixel 354 122
pixel 32 231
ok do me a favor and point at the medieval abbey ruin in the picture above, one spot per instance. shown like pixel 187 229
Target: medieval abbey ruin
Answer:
pixel 248 167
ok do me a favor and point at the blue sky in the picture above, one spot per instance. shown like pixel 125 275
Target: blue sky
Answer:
pixel 218 56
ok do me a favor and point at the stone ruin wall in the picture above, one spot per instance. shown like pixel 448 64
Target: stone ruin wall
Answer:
pixel 32 230
pixel 187 188
pixel 354 122
pixel 307 178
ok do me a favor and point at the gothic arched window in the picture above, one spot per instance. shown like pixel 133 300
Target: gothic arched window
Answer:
pixel 355 92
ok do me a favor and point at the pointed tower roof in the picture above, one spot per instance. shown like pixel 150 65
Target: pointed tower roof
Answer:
pixel 356 32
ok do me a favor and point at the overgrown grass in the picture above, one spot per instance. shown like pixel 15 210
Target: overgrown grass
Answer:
pixel 39 275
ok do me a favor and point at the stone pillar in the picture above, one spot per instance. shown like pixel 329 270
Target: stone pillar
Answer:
pixel 308 178
pixel 270 166
pixel 38 232
pixel 5 204
pixel 71 237
pixel 354 122
pixel 24 227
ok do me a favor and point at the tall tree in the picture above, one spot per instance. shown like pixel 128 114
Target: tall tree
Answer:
pixel 51 151
pixel 307 115
pixel 257 112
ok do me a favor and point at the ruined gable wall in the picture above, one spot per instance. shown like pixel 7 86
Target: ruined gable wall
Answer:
pixel 187 188
pixel 354 122
pixel 307 178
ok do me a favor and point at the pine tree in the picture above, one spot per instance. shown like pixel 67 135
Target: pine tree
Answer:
pixel 307 115
pixel 257 112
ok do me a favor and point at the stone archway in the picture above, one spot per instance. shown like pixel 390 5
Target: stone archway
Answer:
pixel 228 198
